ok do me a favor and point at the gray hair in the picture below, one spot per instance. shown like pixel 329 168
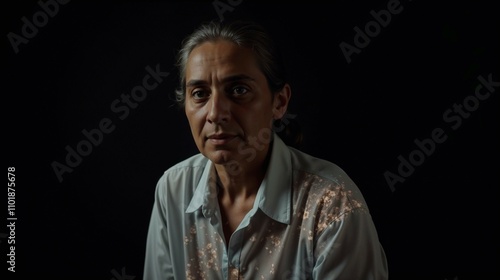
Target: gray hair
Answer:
pixel 243 33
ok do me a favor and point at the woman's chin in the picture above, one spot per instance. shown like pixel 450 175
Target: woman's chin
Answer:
pixel 221 157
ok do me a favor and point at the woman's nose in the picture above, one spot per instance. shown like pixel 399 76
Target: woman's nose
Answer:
pixel 219 108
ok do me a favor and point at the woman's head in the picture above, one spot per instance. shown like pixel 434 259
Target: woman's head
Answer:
pixel 241 33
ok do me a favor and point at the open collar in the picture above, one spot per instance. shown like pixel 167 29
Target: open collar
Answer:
pixel 274 197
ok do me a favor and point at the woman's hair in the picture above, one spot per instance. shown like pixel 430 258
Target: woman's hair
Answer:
pixel 245 34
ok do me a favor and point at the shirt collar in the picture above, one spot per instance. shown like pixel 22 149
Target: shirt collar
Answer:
pixel 274 197
pixel 205 195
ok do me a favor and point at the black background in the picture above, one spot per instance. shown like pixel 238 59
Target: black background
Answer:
pixel 440 223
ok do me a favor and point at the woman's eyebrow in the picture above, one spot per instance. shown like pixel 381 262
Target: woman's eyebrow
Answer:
pixel 192 83
pixel 237 78
pixel 229 79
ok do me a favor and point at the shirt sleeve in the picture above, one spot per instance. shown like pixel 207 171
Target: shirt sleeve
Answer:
pixel 158 263
pixel 350 249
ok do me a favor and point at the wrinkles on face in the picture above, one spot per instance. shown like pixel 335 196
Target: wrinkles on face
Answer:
pixel 228 101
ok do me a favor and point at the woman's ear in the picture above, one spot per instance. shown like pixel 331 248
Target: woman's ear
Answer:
pixel 280 102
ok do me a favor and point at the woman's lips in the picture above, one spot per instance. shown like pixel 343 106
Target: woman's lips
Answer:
pixel 220 139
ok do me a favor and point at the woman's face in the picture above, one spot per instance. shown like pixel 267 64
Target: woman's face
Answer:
pixel 229 105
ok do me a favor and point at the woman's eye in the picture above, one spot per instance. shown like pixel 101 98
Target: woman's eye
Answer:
pixel 198 94
pixel 240 90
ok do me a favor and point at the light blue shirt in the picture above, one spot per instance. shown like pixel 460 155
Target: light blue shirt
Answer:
pixel 309 221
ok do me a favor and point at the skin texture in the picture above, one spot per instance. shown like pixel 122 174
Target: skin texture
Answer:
pixel 230 110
